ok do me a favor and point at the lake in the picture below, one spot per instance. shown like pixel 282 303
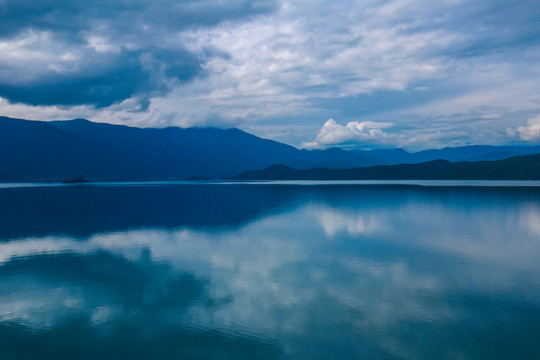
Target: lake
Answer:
pixel 270 271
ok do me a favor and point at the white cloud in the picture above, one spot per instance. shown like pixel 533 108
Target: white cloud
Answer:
pixel 278 62
pixel 31 54
pixel 102 45
pixel 366 133
pixel 371 134
pixel 531 131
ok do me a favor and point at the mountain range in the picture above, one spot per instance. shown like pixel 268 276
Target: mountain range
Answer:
pixel 525 167
pixel 57 150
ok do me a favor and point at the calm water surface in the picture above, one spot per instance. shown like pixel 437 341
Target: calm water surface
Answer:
pixel 269 271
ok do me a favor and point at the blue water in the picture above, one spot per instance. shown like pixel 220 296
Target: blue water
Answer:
pixel 270 271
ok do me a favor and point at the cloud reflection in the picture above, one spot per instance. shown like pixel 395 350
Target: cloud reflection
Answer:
pixel 346 274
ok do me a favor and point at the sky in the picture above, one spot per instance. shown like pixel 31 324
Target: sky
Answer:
pixel 367 74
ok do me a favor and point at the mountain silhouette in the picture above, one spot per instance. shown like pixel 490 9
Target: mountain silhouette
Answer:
pixel 59 150
pixel 515 168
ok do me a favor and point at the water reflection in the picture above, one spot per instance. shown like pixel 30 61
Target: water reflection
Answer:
pixel 319 272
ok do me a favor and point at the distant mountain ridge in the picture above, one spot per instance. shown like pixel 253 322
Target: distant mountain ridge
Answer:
pixel 58 150
pixel 455 154
pixel 525 167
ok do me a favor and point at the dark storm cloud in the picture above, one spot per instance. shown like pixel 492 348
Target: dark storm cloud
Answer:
pixel 73 16
pixel 136 54
pixel 104 80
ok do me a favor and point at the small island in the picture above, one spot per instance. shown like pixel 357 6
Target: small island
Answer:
pixel 77 180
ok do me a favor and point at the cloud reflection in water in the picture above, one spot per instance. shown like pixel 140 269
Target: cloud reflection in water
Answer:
pixel 374 273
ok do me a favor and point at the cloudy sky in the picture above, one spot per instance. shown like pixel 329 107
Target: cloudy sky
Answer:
pixel 359 74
